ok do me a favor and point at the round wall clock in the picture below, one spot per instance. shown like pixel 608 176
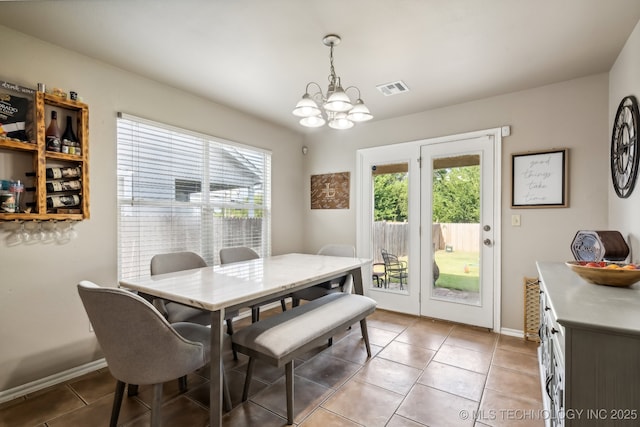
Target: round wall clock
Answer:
pixel 624 147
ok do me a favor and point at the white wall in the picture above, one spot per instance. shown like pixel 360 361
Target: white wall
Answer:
pixel 572 114
pixel 44 327
pixel 624 79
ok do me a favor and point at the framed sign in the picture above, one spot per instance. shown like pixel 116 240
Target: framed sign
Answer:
pixel 539 179
pixel 330 191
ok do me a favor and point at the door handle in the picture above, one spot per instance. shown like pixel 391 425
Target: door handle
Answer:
pixel 487 242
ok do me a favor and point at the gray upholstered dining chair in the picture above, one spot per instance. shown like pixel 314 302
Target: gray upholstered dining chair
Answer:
pixel 243 253
pixel 175 312
pixel 344 284
pixel 151 352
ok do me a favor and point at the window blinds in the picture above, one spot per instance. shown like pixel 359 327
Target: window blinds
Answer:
pixel 183 191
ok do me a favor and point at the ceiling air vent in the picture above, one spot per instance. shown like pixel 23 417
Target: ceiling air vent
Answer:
pixel 393 88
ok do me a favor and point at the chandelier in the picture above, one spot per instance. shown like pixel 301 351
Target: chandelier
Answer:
pixel 334 107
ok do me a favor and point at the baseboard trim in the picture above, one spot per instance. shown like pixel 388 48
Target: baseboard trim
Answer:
pixel 42 383
pixel 512 332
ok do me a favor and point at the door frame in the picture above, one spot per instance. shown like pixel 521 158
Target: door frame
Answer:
pixel 398 152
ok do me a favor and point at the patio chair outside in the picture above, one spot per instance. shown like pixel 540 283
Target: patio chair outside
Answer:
pixel 394 269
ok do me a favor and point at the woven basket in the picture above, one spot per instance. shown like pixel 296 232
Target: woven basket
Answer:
pixel 531 308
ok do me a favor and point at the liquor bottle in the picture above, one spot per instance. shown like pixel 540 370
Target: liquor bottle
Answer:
pixel 69 139
pixel 57 173
pixel 54 186
pixel 62 201
pixel 52 134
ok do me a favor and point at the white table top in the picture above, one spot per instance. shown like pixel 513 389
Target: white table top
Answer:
pixel 233 285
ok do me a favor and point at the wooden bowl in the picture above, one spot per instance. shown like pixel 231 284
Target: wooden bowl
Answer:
pixel 605 276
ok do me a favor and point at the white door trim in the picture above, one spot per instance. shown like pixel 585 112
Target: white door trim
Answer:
pixel 364 204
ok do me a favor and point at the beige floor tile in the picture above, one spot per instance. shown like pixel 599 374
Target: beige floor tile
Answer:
pixel 498 410
pixel 517 344
pixel 94 386
pixel 472 360
pixel 250 414
pixel 398 421
pixel 510 382
pixel 327 370
pixel 407 354
pixel 42 406
pixel 433 407
pixel 363 403
pixel 352 349
pixel 389 375
pixel 421 337
pixel 307 396
pixel 434 325
pixel 99 413
pixel 454 380
pixel 472 339
pixel 380 337
pixel 523 362
pixel 323 418
pixel 390 321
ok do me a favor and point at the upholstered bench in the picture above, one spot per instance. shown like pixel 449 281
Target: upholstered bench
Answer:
pixel 279 339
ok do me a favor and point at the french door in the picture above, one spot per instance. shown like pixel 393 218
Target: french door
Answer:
pixel 448 265
pixel 458 238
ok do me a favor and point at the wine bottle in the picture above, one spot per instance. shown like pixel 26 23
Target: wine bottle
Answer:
pixel 62 201
pixel 52 134
pixel 69 139
pixel 53 186
pixel 57 173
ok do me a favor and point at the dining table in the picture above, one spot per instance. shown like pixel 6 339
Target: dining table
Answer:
pixel 243 284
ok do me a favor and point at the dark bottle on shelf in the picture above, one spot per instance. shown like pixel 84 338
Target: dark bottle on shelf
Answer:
pixel 52 134
pixel 58 173
pixel 70 144
pixel 53 186
pixel 62 201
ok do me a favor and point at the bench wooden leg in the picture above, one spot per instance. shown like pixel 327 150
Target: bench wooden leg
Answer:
pixel 289 378
pixel 365 335
pixel 247 380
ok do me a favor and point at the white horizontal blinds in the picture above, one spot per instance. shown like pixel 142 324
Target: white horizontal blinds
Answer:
pixel 183 191
pixel 240 197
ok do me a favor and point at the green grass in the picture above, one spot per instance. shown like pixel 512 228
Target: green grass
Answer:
pixel 454 274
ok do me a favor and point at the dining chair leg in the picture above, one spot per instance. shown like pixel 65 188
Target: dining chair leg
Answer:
pixel 117 403
pixel 182 384
pixel 247 380
pixel 156 406
pixel 283 304
pixel 255 314
pixel 289 380
pixel 132 390
pixel 226 395
pixel 230 332
pixel 295 302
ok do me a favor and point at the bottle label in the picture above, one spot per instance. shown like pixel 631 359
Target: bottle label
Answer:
pixel 63 201
pixel 65 185
pixel 53 144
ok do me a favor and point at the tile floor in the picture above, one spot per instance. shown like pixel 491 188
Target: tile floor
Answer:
pixel 423 373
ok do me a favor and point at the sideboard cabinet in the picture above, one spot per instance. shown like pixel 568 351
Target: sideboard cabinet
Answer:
pixel 589 353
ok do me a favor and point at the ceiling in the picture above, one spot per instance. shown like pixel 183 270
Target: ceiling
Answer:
pixel 258 55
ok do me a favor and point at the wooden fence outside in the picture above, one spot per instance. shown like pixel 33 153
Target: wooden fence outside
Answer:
pixel 394 237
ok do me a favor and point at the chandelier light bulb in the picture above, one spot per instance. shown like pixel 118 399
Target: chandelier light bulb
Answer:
pixel 312 121
pixel 340 122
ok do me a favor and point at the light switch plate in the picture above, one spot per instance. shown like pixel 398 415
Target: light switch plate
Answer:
pixel 515 220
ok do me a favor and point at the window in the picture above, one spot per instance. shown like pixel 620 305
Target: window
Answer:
pixel 183 191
